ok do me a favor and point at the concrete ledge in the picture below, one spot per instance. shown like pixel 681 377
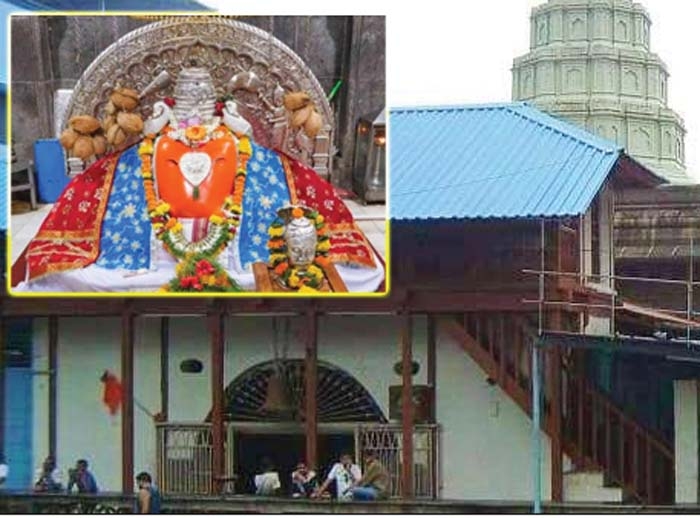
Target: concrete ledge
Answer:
pixel 23 503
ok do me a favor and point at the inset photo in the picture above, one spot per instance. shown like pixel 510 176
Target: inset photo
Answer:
pixel 168 155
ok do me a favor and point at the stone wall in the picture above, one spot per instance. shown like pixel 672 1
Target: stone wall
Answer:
pixel 49 53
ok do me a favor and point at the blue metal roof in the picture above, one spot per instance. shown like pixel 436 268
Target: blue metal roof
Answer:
pixel 492 161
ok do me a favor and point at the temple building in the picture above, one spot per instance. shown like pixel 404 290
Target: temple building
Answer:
pixel 591 62
pixel 503 366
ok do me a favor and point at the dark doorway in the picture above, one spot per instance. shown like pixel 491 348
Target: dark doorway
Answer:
pixel 285 450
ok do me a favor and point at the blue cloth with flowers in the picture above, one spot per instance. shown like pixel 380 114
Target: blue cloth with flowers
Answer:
pixel 266 191
pixel 126 228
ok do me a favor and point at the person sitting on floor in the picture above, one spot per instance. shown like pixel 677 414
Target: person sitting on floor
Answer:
pixel 267 483
pixel 81 478
pixel 48 477
pixel 148 495
pixel 375 483
pixel 343 473
pixel 303 481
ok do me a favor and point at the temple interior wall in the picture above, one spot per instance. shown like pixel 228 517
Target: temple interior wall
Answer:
pixel 484 437
pixel 49 53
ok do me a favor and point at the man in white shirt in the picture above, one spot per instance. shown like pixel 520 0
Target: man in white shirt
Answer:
pixel 267 482
pixel 345 473
pixel 48 477
pixel 4 470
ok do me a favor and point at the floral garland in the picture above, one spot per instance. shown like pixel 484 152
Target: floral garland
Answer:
pixel 198 273
pixel 223 225
pixel 307 280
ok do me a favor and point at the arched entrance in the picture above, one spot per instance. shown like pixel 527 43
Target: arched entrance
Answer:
pixel 274 429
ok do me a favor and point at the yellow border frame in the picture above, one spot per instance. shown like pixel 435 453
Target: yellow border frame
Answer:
pixel 252 294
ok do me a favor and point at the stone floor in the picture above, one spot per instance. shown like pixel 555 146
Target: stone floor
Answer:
pixel 370 218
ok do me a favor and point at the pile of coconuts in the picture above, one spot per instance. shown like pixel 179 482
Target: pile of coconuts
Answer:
pixel 87 137
pixel 303 113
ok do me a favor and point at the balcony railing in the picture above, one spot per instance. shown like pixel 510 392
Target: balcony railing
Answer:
pixel 185 456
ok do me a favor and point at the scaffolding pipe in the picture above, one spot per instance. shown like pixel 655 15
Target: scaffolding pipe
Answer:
pixel 536 444
pixel 536 438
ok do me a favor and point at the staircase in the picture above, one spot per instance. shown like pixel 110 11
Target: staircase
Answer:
pixel 614 457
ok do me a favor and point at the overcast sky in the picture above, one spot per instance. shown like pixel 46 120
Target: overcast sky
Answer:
pixel 446 52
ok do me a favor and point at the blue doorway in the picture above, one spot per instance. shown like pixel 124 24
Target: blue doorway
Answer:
pixel 18 427
pixel 18 407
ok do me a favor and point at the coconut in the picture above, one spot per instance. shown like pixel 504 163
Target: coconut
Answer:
pixel 110 109
pixel 116 135
pixel 125 98
pixel 119 137
pixel 68 138
pixel 84 124
pixel 131 123
pixel 109 121
pixel 99 142
pixel 300 116
pixel 313 124
pixel 296 100
pixel 83 148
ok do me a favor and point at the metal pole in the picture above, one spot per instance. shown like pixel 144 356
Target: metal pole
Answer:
pixel 536 440
pixel 689 301
pixel 540 314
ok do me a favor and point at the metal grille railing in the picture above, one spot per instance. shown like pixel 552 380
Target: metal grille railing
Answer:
pixel 386 441
pixel 184 453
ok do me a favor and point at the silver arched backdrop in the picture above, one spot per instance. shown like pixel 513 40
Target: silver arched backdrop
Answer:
pixel 262 65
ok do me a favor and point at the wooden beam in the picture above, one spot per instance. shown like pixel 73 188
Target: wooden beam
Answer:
pixel 406 406
pixel 127 371
pixel 419 302
pixel 53 375
pixel 310 385
pixel 164 368
pixel 216 331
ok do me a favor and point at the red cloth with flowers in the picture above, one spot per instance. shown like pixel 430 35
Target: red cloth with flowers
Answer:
pixel 69 237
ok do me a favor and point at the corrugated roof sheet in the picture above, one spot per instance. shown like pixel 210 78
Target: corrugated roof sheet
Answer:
pixel 492 161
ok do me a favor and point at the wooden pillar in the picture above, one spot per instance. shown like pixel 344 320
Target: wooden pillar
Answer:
pixel 53 374
pixel 432 383
pixel 164 367
pixel 216 331
pixel 556 415
pixel 127 401
pixel 310 384
pixel 432 367
pixel 406 406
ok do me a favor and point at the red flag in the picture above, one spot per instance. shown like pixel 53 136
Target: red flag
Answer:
pixel 112 396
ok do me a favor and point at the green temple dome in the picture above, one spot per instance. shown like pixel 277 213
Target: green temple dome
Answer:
pixel 590 62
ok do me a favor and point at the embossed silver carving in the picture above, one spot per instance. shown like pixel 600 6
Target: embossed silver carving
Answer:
pixel 195 94
pixel 225 48
pixel 195 166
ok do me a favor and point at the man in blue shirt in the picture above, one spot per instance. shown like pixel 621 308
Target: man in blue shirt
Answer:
pixel 82 478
